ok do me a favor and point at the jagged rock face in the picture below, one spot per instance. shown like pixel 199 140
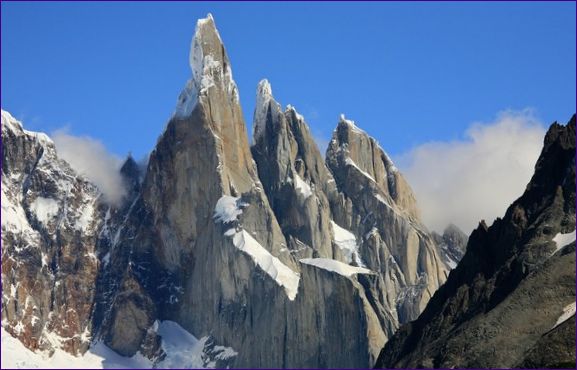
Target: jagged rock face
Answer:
pixel 513 283
pixel 293 175
pixel 352 151
pixel 179 258
pixel 377 204
pixel 131 175
pixel 50 223
pixel 283 264
pixel 310 205
pixel 452 244
pixel 203 245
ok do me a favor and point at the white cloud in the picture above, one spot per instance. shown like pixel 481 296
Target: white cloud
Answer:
pixel 478 177
pixel 89 157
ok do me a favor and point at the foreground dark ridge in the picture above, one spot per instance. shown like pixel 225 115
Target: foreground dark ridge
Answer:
pixel 503 304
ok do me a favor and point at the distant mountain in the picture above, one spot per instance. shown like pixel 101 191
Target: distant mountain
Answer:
pixel 220 254
pixel 511 300
pixel 452 244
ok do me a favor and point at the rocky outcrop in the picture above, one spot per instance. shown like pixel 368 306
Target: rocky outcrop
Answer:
pixel 514 285
pixel 50 223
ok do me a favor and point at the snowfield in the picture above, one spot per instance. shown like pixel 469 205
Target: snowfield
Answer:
pixel 183 351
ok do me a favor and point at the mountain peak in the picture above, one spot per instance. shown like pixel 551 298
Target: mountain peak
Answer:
pixel 348 124
pixel 209 65
pixel 264 89
pixel 264 98
pixel 205 42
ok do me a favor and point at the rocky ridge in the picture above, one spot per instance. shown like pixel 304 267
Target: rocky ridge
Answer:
pixel 514 290
pixel 50 223
pixel 270 251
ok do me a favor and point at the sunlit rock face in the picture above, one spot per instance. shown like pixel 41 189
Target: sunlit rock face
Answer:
pixel 272 255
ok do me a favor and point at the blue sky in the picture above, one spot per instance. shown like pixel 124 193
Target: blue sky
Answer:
pixel 407 73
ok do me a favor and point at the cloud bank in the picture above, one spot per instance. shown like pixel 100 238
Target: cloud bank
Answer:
pixel 90 158
pixel 478 177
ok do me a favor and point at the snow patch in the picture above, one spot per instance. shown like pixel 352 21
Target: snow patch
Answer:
pixel 568 312
pixel 347 242
pixel 382 200
pixel 13 216
pixel 451 263
pixel 350 162
pixel 44 259
pixel 44 209
pixel 302 186
pixel 86 216
pixel 228 209
pixel 564 239
pixel 270 264
pixel 106 259
pixel 335 266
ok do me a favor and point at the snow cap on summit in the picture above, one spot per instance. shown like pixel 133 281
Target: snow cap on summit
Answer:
pixel 210 68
